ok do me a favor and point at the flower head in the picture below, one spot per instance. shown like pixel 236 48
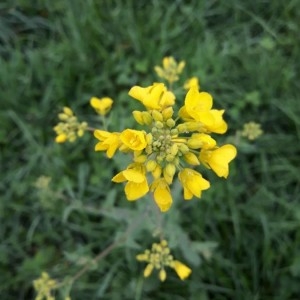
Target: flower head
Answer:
pixel 159 258
pixel 170 70
pixel 69 129
pixel 169 143
pixel 43 286
pixel 252 130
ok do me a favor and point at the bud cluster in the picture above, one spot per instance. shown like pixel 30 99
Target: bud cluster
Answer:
pixel 69 128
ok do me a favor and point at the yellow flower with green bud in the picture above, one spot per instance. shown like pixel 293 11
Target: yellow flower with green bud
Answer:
pixel 169 144
pixel 159 258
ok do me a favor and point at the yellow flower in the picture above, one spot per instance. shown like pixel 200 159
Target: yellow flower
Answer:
pixel 198 106
pixel 193 183
pixel 193 82
pixel 162 194
pixel 218 159
pixel 155 96
pixel 102 106
pixel 197 109
pixel 134 139
pixel 181 269
pixel 137 185
pixel 109 141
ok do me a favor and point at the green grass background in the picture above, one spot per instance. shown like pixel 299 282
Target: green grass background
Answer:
pixel 62 52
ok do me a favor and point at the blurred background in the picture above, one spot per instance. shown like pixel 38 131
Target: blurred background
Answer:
pixel 61 53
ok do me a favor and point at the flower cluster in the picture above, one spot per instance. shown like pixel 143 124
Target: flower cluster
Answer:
pixel 170 144
pixel 170 70
pixel 69 128
pixel 159 257
pixel 252 131
pixel 43 286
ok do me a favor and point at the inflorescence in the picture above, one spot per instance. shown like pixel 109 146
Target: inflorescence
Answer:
pixel 169 144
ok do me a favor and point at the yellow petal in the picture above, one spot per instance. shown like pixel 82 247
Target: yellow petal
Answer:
pixel 218 125
pixel 182 270
pixel 134 175
pixel 135 191
pixel 101 134
pixel 187 194
pixel 119 178
pixel 138 92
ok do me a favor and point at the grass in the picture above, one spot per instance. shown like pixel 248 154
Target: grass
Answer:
pixel 60 53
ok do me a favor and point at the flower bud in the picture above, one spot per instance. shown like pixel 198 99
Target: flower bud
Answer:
pixel 157 116
pixel 167 113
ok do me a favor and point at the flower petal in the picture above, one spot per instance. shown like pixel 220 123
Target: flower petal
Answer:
pixel 135 190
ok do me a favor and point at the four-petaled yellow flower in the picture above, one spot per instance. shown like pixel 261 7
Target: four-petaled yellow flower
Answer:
pixel 218 160
pixel 102 106
pixel 193 183
pixel 109 142
pixel 134 139
pixel 137 185
pixel 155 96
pixel 197 110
